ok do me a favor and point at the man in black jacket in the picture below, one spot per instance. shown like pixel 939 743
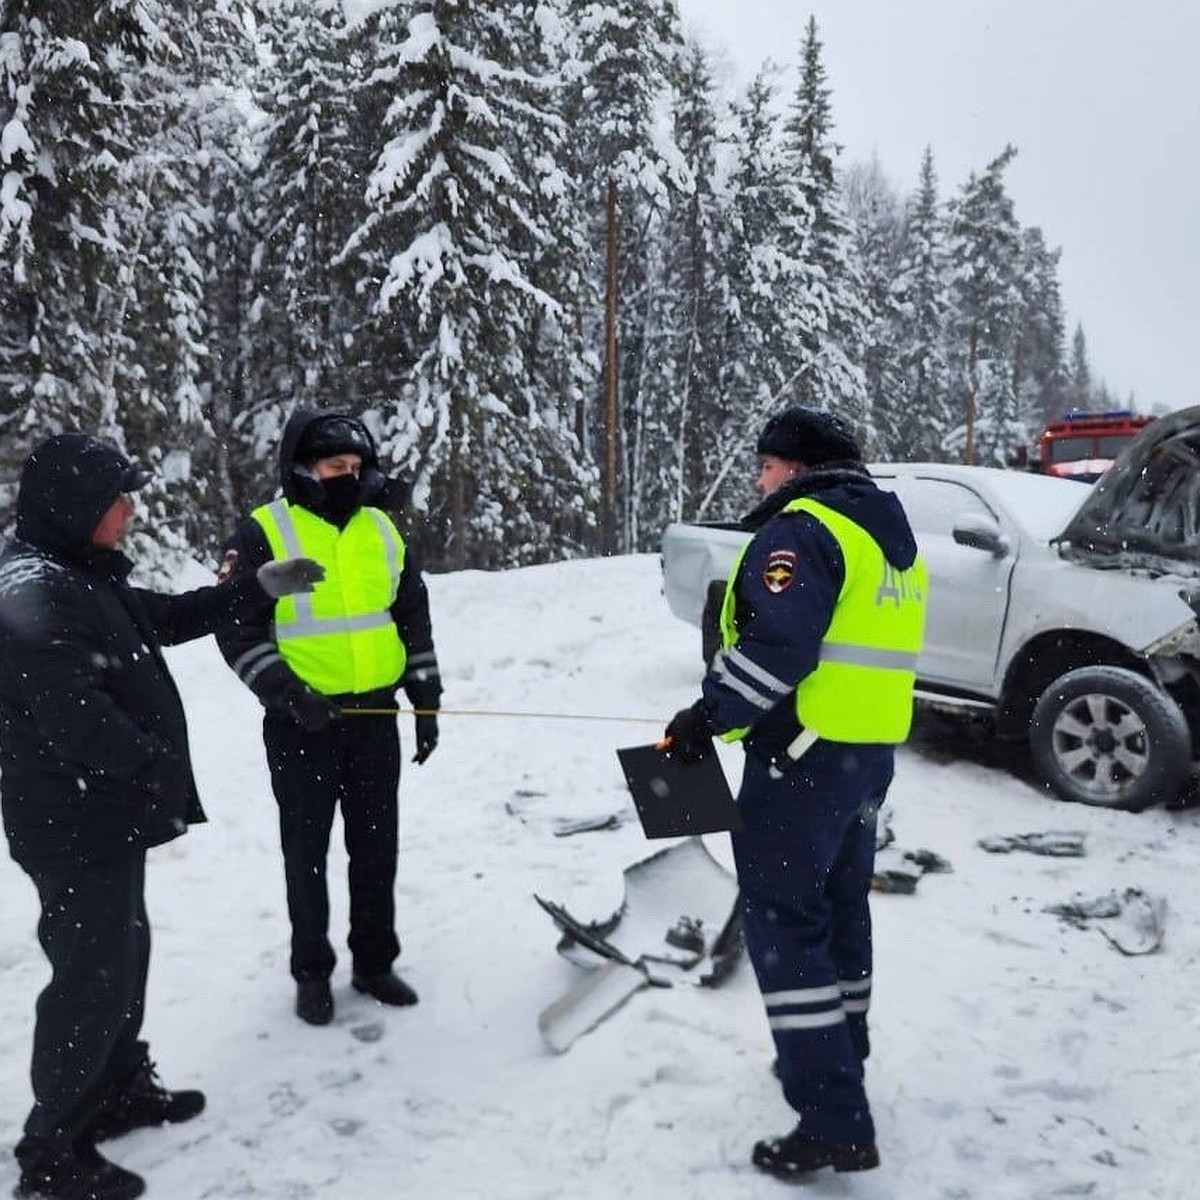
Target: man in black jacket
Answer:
pixel 94 769
pixel 327 670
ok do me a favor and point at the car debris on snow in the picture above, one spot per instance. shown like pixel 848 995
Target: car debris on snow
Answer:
pixel 677 924
pixel 1132 921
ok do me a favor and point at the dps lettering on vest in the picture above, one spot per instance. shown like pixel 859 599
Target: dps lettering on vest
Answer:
pixel 340 638
pixel 862 687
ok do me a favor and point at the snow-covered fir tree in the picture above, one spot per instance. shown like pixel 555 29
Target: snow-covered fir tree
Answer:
pixel 308 198
pixel 1039 376
pixel 766 297
pixel 832 328
pixel 984 249
pixel 922 424
pixel 71 97
pixel 448 215
pixel 1079 372
pixel 619 66
pixel 677 409
pixel 563 366
pixel 880 239
pixel 167 400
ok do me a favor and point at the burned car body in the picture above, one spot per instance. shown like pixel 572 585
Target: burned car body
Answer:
pixel 1065 614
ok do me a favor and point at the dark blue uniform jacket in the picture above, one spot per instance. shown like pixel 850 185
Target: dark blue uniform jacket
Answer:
pixel 786 590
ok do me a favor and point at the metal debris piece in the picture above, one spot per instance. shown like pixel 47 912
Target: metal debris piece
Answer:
pixel 897 871
pixel 678 924
pixel 565 826
pixel 1132 922
pixel 1054 843
pixel 899 882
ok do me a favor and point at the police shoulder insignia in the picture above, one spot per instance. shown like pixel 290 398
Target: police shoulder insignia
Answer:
pixel 779 571
pixel 228 566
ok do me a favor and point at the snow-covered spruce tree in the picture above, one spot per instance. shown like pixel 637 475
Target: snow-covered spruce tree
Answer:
pixel 984 249
pixel 767 298
pixel 832 327
pixel 877 220
pixel 620 63
pixel 925 415
pixel 308 198
pixel 1039 376
pixel 106 269
pixel 677 410
pixel 1080 393
pixel 562 365
pixel 69 94
pixel 167 400
pixel 448 212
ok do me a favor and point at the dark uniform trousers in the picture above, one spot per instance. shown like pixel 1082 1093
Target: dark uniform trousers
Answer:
pixel 354 762
pixel 96 935
pixel 804 864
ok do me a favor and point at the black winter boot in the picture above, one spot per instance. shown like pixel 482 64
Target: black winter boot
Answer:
pixel 142 1101
pixel 82 1173
pixel 387 988
pixel 795 1155
pixel 314 1001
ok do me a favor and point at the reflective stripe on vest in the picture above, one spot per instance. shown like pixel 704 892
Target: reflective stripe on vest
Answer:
pixel 340 637
pixel 861 689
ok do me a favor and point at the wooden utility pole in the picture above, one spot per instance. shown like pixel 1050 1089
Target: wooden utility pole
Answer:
pixel 608 483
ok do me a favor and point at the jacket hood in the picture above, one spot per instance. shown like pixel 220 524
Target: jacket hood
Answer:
pixel 297 485
pixel 68 483
pixel 848 488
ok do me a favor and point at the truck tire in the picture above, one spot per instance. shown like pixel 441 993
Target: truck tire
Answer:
pixel 1110 737
pixel 710 620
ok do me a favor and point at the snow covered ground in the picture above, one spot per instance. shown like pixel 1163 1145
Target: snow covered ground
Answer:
pixel 1014 1055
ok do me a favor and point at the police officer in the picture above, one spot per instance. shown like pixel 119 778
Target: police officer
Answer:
pixel 822 622
pixel 363 633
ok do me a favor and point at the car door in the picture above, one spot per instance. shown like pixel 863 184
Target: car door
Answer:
pixel 968 587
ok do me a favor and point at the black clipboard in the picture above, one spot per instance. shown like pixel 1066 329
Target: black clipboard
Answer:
pixel 676 799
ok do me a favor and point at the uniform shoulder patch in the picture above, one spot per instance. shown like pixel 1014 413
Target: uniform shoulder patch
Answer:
pixel 228 566
pixel 780 571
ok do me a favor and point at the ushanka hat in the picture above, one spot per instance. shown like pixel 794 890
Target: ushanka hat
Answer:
pixel 806 435
pixel 337 433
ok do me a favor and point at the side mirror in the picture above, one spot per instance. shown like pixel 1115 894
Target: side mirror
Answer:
pixel 980 532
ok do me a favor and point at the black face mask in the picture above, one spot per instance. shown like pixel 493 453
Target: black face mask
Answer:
pixel 340 496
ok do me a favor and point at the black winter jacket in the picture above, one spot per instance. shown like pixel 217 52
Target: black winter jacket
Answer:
pixel 93 743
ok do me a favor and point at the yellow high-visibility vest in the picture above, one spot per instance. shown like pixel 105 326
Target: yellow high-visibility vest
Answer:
pixel 862 687
pixel 340 637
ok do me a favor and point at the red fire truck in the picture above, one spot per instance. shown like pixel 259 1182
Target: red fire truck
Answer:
pixel 1083 445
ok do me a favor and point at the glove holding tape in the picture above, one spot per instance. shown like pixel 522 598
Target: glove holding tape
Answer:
pixel 311 710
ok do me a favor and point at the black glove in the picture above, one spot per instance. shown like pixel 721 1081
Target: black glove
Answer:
pixel 690 734
pixel 310 710
pixel 287 576
pixel 426 736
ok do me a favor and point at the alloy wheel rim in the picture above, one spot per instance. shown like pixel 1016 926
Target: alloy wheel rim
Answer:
pixel 1101 745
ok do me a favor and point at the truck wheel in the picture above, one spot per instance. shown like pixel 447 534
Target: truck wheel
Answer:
pixel 1108 736
pixel 710 621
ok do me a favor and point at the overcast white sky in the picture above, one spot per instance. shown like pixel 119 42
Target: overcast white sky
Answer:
pixel 1102 100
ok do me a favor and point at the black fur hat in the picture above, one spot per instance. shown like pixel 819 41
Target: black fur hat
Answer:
pixel 336 433
pixel 806 435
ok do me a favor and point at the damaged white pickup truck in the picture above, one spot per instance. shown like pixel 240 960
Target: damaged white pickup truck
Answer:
pixel 1064 613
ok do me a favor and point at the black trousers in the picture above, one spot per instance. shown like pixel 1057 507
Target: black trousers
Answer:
pixel 355 763
pixel 95 932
